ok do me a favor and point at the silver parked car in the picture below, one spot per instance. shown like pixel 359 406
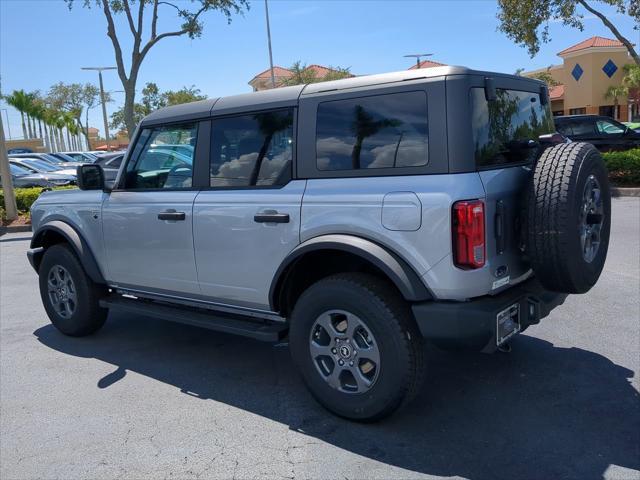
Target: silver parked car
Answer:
pixel 52 158
pixel 41 166
pixel 358 217
pixel 23 178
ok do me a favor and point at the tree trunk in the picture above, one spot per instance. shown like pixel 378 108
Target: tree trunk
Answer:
pixel 24 127
pixel 628 45
pixel 129 99
pixel 29 127
pixel 44 142
pixel 69 139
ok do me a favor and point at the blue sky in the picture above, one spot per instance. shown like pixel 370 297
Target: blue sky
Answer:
pixel 42 42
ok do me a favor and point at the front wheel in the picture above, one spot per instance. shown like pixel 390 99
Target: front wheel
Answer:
pixel 70 298
pixel 357 346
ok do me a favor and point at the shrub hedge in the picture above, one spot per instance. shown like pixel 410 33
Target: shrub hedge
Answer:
pixel 624 167
pixel 25 198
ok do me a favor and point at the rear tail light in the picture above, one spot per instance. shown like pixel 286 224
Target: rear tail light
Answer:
pixel 468 234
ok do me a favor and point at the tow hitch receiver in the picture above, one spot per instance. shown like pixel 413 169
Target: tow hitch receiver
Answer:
pixel 508 323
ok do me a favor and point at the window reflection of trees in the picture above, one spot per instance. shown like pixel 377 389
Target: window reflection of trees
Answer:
pixel 506 130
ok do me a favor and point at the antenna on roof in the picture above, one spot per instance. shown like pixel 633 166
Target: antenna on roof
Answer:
pixel 417 56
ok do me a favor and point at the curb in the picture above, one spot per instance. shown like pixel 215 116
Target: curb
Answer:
pixel 15 229
pixel 625 192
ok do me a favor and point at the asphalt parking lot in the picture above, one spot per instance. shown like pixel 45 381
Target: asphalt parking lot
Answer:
pixel 149 399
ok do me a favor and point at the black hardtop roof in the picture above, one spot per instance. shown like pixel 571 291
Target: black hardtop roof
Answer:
pixel 288 96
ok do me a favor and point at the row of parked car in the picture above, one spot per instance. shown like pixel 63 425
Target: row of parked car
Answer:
pixel 59 168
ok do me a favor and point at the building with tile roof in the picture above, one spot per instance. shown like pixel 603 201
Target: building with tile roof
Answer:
pixel 587 70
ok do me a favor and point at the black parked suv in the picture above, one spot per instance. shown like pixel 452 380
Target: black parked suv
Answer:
pixel 604 133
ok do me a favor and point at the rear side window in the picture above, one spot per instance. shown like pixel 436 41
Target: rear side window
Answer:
pixel 252 150
pixel 380 131
pixel 158 164
pixel 506 130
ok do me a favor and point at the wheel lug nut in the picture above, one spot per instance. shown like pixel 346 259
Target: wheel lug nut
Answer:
pixel 340 362
pixel 351 364
pixel 334 351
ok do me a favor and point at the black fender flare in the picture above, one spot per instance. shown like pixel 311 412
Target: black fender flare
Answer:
pixel 73 238
pixel 395 268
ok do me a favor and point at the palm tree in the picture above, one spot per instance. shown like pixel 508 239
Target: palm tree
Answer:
pixel 365 126
pixel 613 92
pixel 19 99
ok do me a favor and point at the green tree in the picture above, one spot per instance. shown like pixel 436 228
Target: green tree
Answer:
pixel 153 99
pixel 546 77
pixel 20 100
pixel 614 92
pixel 76 98
pixel 303 74
pixel 184 95
pixel 190 23
pixel 527 21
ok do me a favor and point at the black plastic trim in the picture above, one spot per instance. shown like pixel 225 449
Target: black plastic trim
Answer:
pixel 472 324
pixel 79 245
pixel 399 272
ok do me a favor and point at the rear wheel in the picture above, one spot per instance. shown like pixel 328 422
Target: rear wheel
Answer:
pixel 70 297
pixel 356 344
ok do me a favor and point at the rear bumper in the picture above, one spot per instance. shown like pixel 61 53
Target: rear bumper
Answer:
pixel 473 324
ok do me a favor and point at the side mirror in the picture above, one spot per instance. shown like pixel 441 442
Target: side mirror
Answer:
pixel 90 177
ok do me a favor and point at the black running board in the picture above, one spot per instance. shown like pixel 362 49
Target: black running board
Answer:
pixel 266 332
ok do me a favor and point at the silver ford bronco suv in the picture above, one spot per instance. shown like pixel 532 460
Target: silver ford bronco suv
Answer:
pixel 357 218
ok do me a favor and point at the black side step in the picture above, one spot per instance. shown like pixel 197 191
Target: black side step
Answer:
pixel 266 332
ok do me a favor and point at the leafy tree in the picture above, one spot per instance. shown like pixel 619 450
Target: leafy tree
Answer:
pixel 526 21
pixel 303 74
pixel 184 95
pixel 20 100
pixel 615 91
pixel 546 77
pixel 189 19
pixel 152 99
pixel 76 98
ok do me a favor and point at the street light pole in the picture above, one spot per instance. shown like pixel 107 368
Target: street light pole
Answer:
pixel 104 106
pixel 273 77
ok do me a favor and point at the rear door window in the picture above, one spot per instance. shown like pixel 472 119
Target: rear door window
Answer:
pixel 506 130
pixel 379 131
pixel 252 150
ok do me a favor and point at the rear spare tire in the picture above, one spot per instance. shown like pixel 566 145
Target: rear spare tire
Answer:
pixel 568 217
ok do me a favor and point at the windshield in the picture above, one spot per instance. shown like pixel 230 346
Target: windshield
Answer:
pixel 40 165
pixel 16 170
pixel 50 158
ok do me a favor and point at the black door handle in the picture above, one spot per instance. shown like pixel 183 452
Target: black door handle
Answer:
pixel 172 215
pixel 271 218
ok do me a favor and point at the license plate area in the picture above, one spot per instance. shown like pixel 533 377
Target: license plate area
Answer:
pixel 507 323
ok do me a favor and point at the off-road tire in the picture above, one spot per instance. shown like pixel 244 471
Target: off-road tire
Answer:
pixel 88 316
pixel 553 223
pixel 389 318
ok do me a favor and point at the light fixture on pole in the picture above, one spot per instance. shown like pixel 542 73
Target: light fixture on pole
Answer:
pixel 104 107
pixel 273 77
pixel 418 56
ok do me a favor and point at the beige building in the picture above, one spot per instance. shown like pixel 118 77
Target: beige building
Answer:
pixel 587 70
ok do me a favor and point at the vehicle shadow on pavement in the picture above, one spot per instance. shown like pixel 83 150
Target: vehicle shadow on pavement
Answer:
pixel 539 412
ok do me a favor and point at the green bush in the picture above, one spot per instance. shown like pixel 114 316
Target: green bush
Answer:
pixel 25 198
pixel 624 167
